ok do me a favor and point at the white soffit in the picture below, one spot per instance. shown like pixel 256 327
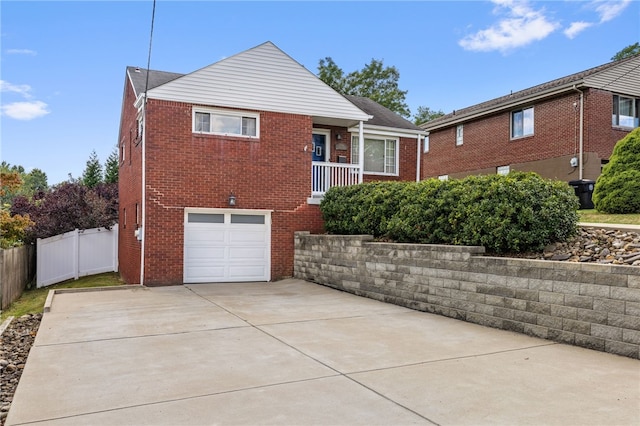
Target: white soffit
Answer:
pixel 263 78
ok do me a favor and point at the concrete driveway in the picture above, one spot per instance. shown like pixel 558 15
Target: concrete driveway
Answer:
pixel 296 353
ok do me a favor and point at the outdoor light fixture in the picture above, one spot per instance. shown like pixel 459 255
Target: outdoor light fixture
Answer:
pixel 232 199
pixel 338 136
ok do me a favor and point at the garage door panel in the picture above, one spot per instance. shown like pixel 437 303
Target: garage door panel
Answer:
pixel 242 236
pixel 197 254
pixel 234 249
pixel 247 253
pixel 246 273
pixel 205 236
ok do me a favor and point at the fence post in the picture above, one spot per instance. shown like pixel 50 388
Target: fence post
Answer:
pixel 116 230
pixel 76 251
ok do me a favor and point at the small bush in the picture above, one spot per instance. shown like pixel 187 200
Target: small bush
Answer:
pixel 617 189
pixel 515 213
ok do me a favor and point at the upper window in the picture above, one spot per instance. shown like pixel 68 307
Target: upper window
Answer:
pixel 459 134
pixel 228 123
pixel 380 155
pixel 522 123
pixel 625 111
pixel 426 143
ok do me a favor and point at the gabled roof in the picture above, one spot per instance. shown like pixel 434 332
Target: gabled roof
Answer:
pixel 138 77
pixel 262 78
pixel 382 116
pixel 621 76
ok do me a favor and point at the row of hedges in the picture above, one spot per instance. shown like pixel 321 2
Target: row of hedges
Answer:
pixel 506 214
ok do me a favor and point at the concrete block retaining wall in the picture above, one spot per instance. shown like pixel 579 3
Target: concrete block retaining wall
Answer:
pixel 585 304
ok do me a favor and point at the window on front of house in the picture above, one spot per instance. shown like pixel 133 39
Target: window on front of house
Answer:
pixel 380 155
pixel 459 135
pixel 426 143
pixel 522 123
pixel 228 123
pixel 626 111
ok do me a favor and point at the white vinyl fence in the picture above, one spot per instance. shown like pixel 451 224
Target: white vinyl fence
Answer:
pixel 76 254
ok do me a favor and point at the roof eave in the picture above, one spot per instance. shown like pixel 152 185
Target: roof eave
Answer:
pixel 391 130
pixel 507 105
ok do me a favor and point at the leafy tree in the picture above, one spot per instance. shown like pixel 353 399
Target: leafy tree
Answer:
pixel 92 174
pixel 631 50
pixel 13 229
pixel 374 81
pixel 68 206
pixel 617 189
pixel 426 114
pixel 111 167
pixel 10 183
pixel 34 181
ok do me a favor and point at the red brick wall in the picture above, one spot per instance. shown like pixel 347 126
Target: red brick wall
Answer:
pixel 188 170
pixel 487 142
pixel 129 190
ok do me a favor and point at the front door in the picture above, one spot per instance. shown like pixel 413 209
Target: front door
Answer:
pixel 319 147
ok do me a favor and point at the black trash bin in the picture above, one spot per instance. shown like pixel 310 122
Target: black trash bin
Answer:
pixel 584 190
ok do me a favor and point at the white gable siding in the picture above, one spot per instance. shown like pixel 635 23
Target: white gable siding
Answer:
pixel 623 78
pixel 263 78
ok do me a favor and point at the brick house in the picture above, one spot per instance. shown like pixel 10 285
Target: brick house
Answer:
pixel 219 167
pixel 564 129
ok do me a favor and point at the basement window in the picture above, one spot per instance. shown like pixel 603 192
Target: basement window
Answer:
pixel 226 123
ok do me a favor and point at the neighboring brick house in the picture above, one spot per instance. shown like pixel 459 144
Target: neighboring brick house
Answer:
pixel 564 129
pixel 219 167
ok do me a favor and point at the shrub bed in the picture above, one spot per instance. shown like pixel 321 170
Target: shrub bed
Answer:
pixel 516 213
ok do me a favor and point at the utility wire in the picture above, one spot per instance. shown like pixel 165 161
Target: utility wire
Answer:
pixel 146 84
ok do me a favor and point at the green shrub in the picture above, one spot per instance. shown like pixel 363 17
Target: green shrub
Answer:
pixel 361 209
pixel 617 189
pixel 515 213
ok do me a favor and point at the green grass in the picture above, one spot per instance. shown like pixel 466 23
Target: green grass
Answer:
pixel 32 301
pixel 594 216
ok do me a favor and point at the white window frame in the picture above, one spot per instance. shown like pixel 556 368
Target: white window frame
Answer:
pixel 443 177
pixel 635 107
pixel 226 113
pixel 459 134
pixel 503 170
pixel 123 152
pixel 511 119
pixel 386 139
pixel 426 144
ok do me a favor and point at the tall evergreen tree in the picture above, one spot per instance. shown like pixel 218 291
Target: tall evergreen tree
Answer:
pixel 111 167
pixel 92 174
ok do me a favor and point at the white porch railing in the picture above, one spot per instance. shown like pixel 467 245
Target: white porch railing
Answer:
pixel 326 175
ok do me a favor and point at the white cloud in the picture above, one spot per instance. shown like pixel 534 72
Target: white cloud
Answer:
pixel 22 89
pixel 606 10
pixel 576 28
pixel 25 110
pixel 609 9
pixel 520 26
pixel 22 52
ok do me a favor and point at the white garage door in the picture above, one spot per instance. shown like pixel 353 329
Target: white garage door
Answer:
pixel 227 246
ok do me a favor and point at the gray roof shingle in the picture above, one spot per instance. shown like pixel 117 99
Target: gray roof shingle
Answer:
pixel 156 78
pixel 382 116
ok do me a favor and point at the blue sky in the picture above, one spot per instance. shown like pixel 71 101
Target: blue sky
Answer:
pixel 63 64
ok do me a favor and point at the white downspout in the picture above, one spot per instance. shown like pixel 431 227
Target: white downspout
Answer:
pixel 418 160
pixel 581 137
pixel 361 152
pixel 144 190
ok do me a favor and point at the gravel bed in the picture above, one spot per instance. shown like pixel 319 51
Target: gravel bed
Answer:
pixel 16 343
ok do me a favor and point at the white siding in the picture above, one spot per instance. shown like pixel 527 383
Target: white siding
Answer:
pixel 263 78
